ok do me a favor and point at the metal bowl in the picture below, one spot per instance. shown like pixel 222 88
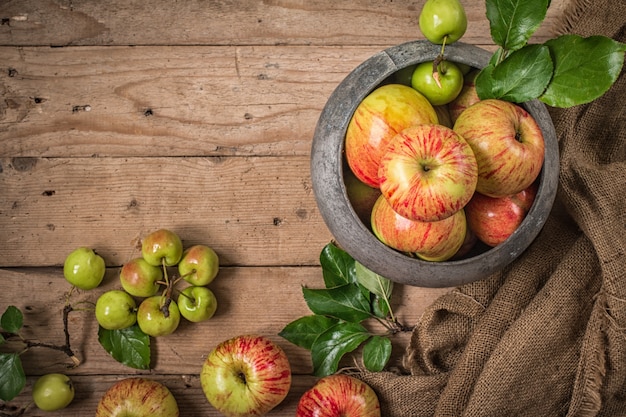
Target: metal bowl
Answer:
pixel 327 164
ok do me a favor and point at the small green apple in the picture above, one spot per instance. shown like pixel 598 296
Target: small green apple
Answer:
pixel 156 320
pixel 438 92
pixel 197 304
pixel 443 21
pixel 116 309
pixel 199 265
pixel 140 279
pixel 84 269
pixel 53 392
pixel 162 246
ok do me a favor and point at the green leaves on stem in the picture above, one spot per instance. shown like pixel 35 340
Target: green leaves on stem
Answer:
pixel 351 295
pixel 12 376
pixel 562 72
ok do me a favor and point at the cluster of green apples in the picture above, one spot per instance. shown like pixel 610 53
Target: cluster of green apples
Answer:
pixel 149 295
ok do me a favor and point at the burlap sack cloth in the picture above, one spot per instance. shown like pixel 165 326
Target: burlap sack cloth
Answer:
pixel 546 336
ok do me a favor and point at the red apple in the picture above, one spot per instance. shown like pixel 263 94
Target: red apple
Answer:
pixel 339 395
pixel 508 144
pixel 466 97
pixel 428 172
pixel 384 112
pixel 493 220
pixel 140 279
pixel 137 397
pixel 247 375
pixel 431 241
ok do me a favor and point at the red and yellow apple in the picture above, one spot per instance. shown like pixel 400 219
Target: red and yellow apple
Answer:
pixel 339 395
pixel 246 375
pixel 466 97
pixel 508 144
pixel 493 220
pixel 137 397
pixel 428 172
pixel 432 241
pixel 384 112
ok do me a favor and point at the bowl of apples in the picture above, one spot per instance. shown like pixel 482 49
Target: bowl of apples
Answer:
pixel 423 182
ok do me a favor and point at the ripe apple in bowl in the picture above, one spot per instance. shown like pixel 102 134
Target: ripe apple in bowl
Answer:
pixel 328 176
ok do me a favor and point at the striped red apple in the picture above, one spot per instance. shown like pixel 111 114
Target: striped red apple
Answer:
pixel 508 144
pixel 339 395
pixel 381 115
pixel 246 375
pixel 494 220
pixel 428 172
pixel 432 241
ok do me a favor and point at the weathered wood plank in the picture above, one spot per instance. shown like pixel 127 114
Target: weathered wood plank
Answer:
pixel 240 22
pixel 164 101
pixel 250 300
pixel 251 210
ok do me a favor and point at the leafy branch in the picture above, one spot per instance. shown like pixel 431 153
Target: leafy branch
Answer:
pixel 352 294
pixel 12 376
pixel 562 72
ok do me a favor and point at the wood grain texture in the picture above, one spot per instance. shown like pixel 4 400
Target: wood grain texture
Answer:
pixel 238 22
pixel 120 117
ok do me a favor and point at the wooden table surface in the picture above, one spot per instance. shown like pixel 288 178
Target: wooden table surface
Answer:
pixel 121 117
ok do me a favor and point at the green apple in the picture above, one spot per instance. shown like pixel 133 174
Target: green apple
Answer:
pixel 84 269
pixel 197 304
pixel 140 279
pixel 116 309
pixel 53 392
pixel 162 246
pixel 137 397
pixel 440 87
pixel 158 317
pixel 199 265
pixel 443 21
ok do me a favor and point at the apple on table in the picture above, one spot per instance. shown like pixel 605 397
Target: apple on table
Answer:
pixel 137 397
pixel 246 375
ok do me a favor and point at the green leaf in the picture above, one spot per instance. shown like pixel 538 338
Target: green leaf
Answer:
pixel 584 69
pixel 346 302
pixel 129 346
pixel 376 284
pixel 337 266
pixel 333 344
pixel 12 320
pixel 303 331
pixel 376 353
pixel 12 377
pixel 524 75
pixel 513 22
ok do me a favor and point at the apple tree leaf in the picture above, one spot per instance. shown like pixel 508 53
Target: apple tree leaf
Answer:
pixel 584 68
pixel 376 353
pixel 333 344
pixel 303 331
pixel 337 266
pixel 513 22
pixel 12 320
pixel 524 75
pixel 129 346
pixel 376 284
pixel 346 302
pixel 12 377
